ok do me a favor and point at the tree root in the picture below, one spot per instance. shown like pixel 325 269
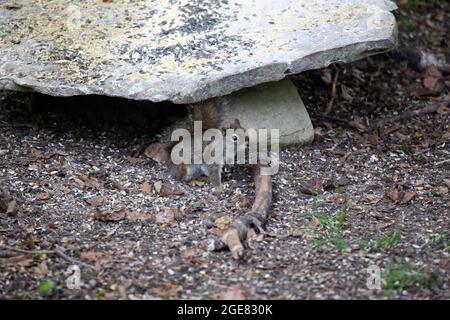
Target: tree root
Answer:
pixel 235 237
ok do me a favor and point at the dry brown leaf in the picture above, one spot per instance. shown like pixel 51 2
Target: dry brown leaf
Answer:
pixel 12 208
pixel 167 216
pixel 96 201
pixel 41 270
pixel 340 199
pixel 139 216
pixel 89 182
pixel 430 82
pixel 108 216
pixel 358 123
pixel 94 256
pixel 393 195
pixel 43 197
pixel 233 293
pixel 166 290
pixel 443 191
pixel 197 183
pixel 193 255
pixel 146 188
pixel 407 196
pixel 401 197
pixel 23 260
pixel 166 191
pixel 11 6
pixel 443 109
pixel 313 222
pixel 447 182
pixel 223 222
pixel 384 223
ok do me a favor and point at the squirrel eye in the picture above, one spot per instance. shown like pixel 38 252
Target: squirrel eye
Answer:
pixel 235 137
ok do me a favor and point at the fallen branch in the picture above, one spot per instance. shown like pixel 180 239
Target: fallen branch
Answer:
pixel 58 251
pixel 235 237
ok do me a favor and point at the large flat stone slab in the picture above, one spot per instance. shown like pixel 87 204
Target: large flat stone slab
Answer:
pixel 183 51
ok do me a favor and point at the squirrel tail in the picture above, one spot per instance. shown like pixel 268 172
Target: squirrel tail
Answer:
pixel 208 112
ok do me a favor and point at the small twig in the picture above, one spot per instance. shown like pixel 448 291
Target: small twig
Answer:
pixel 58 251
pixel 334 119
pixel 17 125
pixel 442 162
pixel 333 93
pixel 406 115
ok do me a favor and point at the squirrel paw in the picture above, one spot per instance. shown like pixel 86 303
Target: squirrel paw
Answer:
pixel 254 221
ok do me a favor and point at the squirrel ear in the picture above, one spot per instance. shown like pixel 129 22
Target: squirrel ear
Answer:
pixel 237 123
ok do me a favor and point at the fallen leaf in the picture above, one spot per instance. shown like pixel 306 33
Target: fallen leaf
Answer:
pixel 407 197
pixel 443 191
pixel 167 216
pixel 96 201
pixel 384 223
pixel 393 195
pixel 5 199
pixel 12 209
pixel 193 255
pixel 158 186
pixel 197 183
pixel 430 82
pixel 43 197
pixel 431 77
pixel 233 293
pixel 41 270
pixel 23 260
pixel 139 216
pixel 443 109
pixel 94 256
pixel 89 182
pixel 340 199
pixel 358 123
pixel 33 167
pixel 223 222
pixel 108 216
pixel 313 222
pixel 117 185
pixel 166 191
pixel 166 290
pixel 11 6
pixel 35 153
pixel 307 188
pixel 146 188
pixel 447 182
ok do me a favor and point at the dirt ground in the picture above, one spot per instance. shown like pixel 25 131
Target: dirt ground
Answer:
pixel 372 190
